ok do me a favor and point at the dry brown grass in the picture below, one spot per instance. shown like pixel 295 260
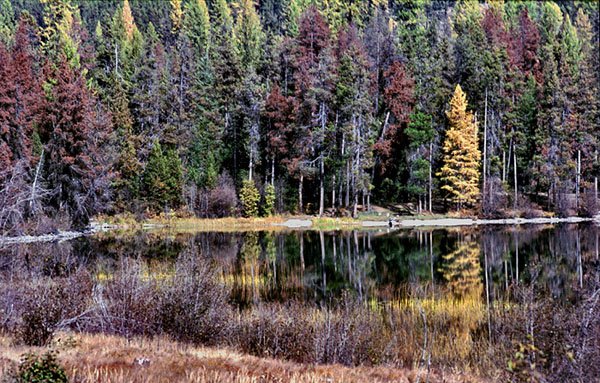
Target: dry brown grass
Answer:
pixel 109 359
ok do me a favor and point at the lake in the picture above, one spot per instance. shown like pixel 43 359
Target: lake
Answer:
pixel 319 266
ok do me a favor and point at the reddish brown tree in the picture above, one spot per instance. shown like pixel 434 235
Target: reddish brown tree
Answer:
pixel 21 95
pixel 399 99
pixel 526 43
pixel 74 131
pixel 279 116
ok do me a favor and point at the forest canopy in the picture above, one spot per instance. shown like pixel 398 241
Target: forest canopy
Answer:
pixel 241 107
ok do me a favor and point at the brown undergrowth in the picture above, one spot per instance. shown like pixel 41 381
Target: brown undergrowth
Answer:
pixel 112 359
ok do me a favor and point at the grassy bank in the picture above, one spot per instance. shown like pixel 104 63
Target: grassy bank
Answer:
pixel 278 222
pixel 102 358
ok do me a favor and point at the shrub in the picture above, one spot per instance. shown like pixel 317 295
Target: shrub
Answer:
pixel 193 305
pixel 249 197
pixel 46 304
pixel 40 369
pixel 268 208
pixel 222 199
pixel 589 206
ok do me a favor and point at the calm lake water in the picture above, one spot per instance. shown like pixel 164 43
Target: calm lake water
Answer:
pixel 483 262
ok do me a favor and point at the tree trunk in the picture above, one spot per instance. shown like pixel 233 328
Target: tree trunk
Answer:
pixel 485 147
pixel 321 186
pixel 347 200
pixel 251 165
pixel 596 184
pixel 273 170
pixel 577 180
pixel 300 193
pixel 38 168
pixel 430 176
pixel 504 166
pixel 516 182
pixel 333 193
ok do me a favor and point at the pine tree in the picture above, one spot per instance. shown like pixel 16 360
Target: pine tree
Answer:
pixel 162 178
pixel 73 132
pixel 460 172
pixel 176 16
pixel 249 198
pixel 420 133
pixel 249 35
pixel 7 21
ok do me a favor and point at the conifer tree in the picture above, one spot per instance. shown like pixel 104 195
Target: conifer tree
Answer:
pixel 7 21
pixel 176 16
pixel 460 171
pixel 74 132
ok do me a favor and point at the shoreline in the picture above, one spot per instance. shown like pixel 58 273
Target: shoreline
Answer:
pixel 291 223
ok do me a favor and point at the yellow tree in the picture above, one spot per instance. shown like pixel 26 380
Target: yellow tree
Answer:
pixel 460 172
pixel 176 15
pixel 128 22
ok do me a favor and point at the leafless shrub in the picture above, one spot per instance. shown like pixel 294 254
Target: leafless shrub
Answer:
pixel 126 303
pixel 589 205
pixel 222 199
pixel 48 305
pixel 193 303
pixel 348 334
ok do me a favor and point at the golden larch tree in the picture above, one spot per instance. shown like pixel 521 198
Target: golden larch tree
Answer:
pixel 128 20
pixel 176 15
pixel 460 172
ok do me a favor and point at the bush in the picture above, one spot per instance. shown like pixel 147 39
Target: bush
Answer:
pixel 589 206
pixel 40 369
pixel 268 208
pixel 47 304
pixel 222 199
pixel 193 305
pixel 249 198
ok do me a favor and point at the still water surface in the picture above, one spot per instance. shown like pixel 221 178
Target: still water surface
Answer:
pixel 482 262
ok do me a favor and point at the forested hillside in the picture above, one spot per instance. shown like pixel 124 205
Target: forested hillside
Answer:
pixel 218 107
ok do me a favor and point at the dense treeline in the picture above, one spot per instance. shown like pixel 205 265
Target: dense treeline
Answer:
pixel 227 107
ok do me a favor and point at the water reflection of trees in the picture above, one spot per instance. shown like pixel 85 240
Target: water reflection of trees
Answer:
pixel 462 270
pixel 278 266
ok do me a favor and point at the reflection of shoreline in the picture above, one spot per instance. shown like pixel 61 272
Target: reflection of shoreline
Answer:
pixel 449 222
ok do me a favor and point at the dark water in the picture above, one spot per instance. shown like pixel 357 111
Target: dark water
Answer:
pixel 319 266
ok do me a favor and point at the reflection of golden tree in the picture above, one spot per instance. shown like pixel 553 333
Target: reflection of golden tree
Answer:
pixel 462 271
pixel 248 279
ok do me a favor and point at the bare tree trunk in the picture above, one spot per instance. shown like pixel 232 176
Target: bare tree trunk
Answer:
pixel 321 186
pixel 273 170
pixel 300 184
pixel 347 200
pixel 485 147
pixel 577 180
pixel 516 184
pixel 333 193
pixel 504 166
pixel 596 184
pixel 430 176
pixel 38 168
pixel 251 165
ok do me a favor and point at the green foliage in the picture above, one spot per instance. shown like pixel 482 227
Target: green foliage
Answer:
pixel 420 129
pixel 249 198
pixel 268 208
pixel 7 21
pixel 162 179
pixel 40 369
